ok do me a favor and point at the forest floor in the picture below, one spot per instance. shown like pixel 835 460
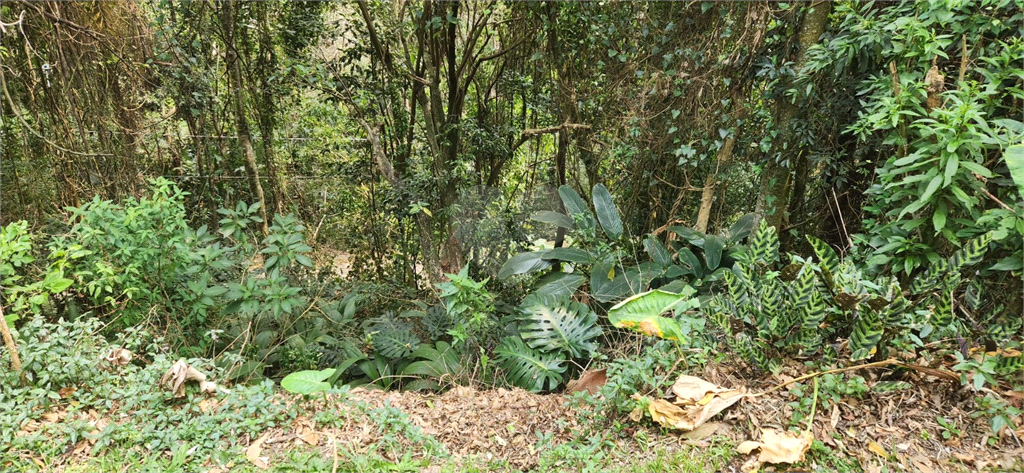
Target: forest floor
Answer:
pixel 925 427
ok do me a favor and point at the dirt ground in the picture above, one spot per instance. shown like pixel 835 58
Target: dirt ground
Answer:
pixel 898 429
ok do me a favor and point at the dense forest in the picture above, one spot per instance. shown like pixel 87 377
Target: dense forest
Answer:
pixel 420 195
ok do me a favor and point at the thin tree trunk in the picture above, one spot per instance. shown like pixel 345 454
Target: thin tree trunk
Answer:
pixel 776 180
pixel 242 124
pixel 11 347
pixel 707 197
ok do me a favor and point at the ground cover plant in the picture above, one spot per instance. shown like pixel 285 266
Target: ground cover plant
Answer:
pixel 511 236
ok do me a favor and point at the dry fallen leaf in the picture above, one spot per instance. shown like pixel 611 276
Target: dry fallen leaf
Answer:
pixel 702 431
pixel 877 449
pixel 700 400
pixel 208 404
pixel 174 379
pixel 590 381
pixel 779 447
pixel 254 450
pixel 922 464
pixel 119 357
pixel 669 415
pixel 312 438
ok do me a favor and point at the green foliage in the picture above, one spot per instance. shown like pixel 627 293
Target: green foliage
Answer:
pixel 940 106
pixel 391 336
pixel 437 364
pixel 999 412
pixel 469 305
pixel 15 257
pixel 307 382
pixel 552 324
pixel 610 275
pixel 643 313
pixel 717 253
pixel 528 367
pixel 138 252
pixel 806 306
pixel 60 361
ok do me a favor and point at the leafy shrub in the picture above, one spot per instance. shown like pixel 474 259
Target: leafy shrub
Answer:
pixel 63 362
pixel 611 276
pixel 805 306
pixel 15 258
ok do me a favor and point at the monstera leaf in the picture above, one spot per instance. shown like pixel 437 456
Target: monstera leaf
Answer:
pixel 528 368
pixel 642 313
pixel 391 337
pixel 554 323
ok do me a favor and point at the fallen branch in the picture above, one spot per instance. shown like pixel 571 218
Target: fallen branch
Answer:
pixel 891 361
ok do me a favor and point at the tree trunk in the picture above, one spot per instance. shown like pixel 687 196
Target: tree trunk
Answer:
pixel 432 267
pixel 776 181
pixel 242 124
pixel 707 197
pixel 12 347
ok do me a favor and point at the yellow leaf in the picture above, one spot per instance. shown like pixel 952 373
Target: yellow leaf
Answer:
pixel 706 399
pixel 877 449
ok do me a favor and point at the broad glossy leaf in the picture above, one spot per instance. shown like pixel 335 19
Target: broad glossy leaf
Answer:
pixel 572 255
pixel 692 236
pixel 607 214
pixel 642 313
pixel 713 246
pixel 1014 157
pixel 576 206
pixel 742 227
pixel 659 254
pixel 559 284
pixel 607 284
pixel 690 261
pixel 307 382
pixel 554 218
pixel 524 263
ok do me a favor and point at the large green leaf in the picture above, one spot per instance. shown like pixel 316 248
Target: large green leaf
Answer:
pixel 553 324
pixel 607 283
pixel 713 246
pixel 576 206
pixel 690 262
pixel 307 382
pixel 642 313
pixel 435 362
pixel 527 367
pixel 558 284
pixel 572 255
pixel 658 252
pixel 828 257
pixel 524 263
pixel 391 336
pixel 742 227
pixel 554 218
pixel 1014 157
pixel 607 214
pixel 764 246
